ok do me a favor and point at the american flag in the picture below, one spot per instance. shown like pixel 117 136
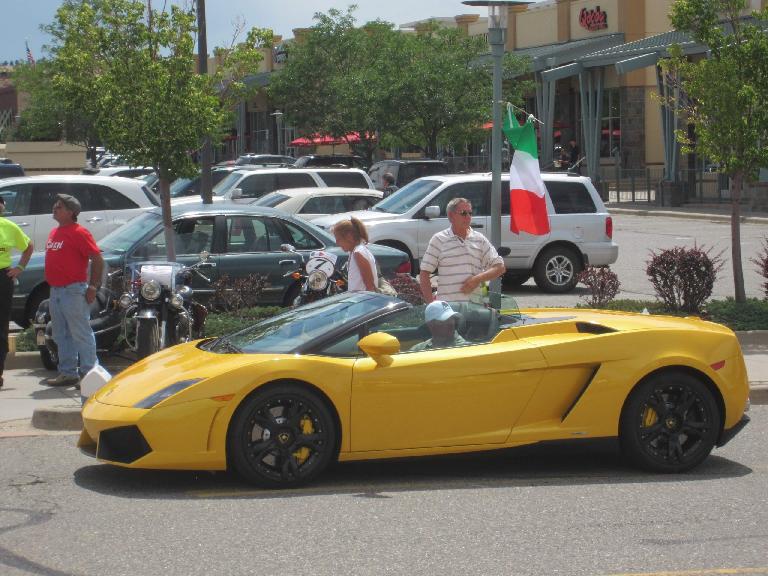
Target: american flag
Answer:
pixel 30 58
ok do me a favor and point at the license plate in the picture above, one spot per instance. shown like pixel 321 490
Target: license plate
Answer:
pixel 40 338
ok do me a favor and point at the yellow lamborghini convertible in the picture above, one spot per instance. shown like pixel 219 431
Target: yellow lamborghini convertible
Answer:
pixel 346 378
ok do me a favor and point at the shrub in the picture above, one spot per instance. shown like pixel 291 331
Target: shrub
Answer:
pixel 603 284
pixel 225 323
pixel 749 315
pixel 235 294
pixel 682 277
pixel 762 266
pixel 408 288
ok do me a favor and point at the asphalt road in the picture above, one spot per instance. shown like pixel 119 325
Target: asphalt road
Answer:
pixel 638 236
pixel 545 510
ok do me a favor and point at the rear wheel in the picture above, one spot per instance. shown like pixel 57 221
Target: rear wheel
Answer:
pixel 282 436
pixel 557 269
pixel 669 423
pixel 49 357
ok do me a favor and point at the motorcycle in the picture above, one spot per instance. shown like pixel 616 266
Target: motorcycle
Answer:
pixel 158 308
pixel 318 277
pixel 106 319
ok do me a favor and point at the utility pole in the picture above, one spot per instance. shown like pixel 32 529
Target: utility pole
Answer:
pixel 202 68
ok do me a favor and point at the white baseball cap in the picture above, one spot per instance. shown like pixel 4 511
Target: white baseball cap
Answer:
pixel 439 310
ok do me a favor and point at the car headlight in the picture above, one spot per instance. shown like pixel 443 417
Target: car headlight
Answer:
pixel 125 301
pixel 40 318
pixel 176 301
pixel 317 280
pixel 151 290
pixel 155 399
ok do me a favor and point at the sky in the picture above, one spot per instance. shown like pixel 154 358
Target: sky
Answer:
pixel 20 20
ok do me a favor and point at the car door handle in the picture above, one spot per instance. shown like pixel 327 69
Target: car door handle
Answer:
pixel 23 223
pixel 94 219
pixel 286 262
pixel 477 225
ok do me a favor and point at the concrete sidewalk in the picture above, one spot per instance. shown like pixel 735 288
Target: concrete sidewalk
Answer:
pixel 29 407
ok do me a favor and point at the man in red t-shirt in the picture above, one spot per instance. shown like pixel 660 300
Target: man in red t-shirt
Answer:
pixel 69 249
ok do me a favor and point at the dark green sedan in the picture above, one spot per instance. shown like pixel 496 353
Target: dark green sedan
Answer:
pixel 241 240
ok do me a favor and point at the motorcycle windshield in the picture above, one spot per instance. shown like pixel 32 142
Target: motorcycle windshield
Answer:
pixel 163 272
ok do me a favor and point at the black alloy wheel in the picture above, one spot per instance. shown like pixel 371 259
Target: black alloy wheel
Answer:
pixel 670 423
pixel 282 436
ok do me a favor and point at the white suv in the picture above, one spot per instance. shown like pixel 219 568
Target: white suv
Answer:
pixel 245 186
pixel 581 228
pixel 107 202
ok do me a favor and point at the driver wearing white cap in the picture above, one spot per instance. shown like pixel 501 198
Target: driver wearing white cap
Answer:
pixel 441 321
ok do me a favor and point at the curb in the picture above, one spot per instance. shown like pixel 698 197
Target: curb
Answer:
pixel 686 215
pixel 57 418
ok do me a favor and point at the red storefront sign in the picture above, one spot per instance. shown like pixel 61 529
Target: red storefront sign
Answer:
pixel 594 19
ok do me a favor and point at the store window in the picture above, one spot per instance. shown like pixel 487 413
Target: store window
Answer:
pixel 610 139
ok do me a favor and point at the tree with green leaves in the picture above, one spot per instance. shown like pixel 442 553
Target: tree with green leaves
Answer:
pixel 131 72
pixel 406 89
pixel 332 83
pixel 726 97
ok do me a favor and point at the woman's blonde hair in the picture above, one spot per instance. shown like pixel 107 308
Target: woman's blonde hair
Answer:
pixel 353 227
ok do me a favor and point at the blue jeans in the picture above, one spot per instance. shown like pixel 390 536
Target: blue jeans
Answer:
pixel 70 314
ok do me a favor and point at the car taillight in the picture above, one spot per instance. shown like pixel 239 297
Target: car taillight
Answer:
pixel 404 268
pixel 609 227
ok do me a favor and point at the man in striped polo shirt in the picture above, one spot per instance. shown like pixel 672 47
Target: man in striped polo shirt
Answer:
pixel 464 259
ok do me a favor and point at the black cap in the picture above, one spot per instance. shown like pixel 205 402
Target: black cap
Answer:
pixel 70 202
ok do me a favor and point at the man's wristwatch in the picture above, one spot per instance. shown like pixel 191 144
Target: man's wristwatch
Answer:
pixel 93 286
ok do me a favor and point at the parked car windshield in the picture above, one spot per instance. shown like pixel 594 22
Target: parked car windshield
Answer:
pixel 271 200
pixel 125 237
pixel 222 187
pixel 287 332
pixel 180 186
pixel 407 197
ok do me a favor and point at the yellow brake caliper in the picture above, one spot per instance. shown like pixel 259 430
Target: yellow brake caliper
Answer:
pixel 306 428
pixel 649 417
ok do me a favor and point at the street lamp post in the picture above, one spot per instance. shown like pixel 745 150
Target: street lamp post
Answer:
pixel 497 32
pixel 279 127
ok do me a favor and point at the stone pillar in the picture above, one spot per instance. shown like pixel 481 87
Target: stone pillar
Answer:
pixel 512 12
pixel 300 34
pixel 269 53
pixel 563 20
pixel 464 20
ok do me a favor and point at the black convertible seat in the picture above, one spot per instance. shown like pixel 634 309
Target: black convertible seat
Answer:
pixel 477 324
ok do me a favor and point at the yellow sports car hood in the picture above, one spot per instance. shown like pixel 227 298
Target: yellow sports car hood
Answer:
pixel 182 362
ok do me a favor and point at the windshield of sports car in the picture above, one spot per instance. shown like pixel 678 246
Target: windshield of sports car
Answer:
pixel 287 332
pixel 407 197
pixel 124 238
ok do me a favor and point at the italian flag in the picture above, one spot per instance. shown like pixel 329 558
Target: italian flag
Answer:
pixel 527 193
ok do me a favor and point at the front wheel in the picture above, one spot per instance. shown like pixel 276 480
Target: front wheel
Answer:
pixel 557 269
pixel 669 423
pixel 282 436
pixel 147 339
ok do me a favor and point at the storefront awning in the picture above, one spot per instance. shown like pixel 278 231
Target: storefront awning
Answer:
pixel 320 140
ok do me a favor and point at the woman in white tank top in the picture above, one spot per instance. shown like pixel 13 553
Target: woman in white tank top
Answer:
pixel 352 237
